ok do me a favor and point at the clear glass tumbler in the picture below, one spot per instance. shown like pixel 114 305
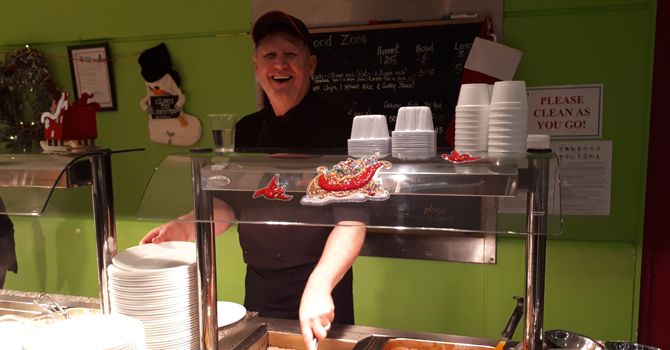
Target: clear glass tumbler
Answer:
pixel 223 131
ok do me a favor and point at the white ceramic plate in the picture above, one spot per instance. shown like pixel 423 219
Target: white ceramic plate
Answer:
pixel 228 312
pixel 178 344
pixel 164 304
pixel 174 287
pixel 88 332
pixel 177 283
pixel 160 256
pixel 150 275
pixel 159 299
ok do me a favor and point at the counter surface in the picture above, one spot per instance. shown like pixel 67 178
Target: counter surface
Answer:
pixel 77 301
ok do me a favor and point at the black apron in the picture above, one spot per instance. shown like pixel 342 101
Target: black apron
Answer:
pixel 277 293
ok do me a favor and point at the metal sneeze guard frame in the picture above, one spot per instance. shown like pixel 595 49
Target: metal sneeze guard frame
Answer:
pixel 45 172
pixel 410 183
pixel 536 176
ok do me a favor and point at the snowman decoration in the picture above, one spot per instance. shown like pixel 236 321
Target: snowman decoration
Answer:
pixel 164 101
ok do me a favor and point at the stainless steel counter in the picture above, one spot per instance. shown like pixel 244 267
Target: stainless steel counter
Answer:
pixel 247 332
pixel 64 300
pixel 258 333
pixel 21 304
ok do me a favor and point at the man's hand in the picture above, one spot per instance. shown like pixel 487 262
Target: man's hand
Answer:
pixel 185 230
pixel 317 311
pixel 172 231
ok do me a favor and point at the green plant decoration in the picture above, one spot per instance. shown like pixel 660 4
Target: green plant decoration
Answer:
pixel 26 91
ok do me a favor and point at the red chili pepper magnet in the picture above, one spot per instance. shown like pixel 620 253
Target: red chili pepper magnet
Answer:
pixel 272 192
pixel 456 157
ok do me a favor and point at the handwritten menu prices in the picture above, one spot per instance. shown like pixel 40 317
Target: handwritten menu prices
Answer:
pixel 164 107
pixel 378 69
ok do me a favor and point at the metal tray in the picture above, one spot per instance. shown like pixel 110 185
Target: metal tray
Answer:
pixel 257 333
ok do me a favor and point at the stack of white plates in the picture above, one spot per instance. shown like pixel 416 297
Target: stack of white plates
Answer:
pixel 157 284
pixel 369 137
pixel 97 332
pixel 414 135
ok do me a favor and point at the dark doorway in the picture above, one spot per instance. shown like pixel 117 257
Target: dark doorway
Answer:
pixel 655 282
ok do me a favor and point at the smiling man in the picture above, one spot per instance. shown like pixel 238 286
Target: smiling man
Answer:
pixel 293 272
pixel 296 271
pixel 295 118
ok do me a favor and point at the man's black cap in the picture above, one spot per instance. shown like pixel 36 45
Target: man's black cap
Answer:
pixel 156 62
pixel 278 18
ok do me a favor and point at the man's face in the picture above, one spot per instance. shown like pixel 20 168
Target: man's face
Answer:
pixel 284 67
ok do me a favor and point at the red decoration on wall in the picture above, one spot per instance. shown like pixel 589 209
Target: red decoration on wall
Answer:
pixel 70 125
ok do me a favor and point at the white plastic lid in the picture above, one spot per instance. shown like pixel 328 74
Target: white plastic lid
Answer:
pixel 536 141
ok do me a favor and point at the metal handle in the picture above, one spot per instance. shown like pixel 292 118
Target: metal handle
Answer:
pixel 514 320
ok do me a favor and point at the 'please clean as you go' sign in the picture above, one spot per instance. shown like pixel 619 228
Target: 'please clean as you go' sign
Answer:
pixel 571 111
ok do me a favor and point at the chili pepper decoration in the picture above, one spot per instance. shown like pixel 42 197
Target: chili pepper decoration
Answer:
pixel 456 157
pixel 272 192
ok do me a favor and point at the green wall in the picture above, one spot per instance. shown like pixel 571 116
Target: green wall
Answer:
pixel 592 269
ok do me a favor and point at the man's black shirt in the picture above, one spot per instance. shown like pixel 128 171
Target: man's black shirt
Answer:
pixel 281 258
pixel 312 126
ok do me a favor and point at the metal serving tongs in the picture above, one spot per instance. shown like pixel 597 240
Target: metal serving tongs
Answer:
pixel 53 308
pixel 511 325
pixel 315 342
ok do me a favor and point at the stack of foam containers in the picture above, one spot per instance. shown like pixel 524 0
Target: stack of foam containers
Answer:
pixel 414 136
pixel 472 118
pixel 508 117
pixel 369 137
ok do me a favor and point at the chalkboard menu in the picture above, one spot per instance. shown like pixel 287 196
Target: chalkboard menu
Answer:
pixel 377 69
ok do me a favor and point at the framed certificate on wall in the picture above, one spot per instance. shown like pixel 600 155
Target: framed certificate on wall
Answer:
pixel 92 74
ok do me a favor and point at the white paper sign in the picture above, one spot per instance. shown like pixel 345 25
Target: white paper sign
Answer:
pixel 586 180
pixel 91 73
pixel 586 176
pixel 571 111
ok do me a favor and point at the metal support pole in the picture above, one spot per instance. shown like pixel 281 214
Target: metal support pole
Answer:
pixel 536 249
pixel 206 258
pixel 104 219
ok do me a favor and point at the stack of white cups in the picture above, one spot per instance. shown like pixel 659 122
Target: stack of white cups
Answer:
pixel 472 118
pixel 369 136
pixel 508 117
pixel 414 135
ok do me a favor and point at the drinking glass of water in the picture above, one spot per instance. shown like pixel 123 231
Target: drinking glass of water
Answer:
pixel 223 131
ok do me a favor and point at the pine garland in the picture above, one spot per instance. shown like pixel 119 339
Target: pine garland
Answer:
pixel 26 91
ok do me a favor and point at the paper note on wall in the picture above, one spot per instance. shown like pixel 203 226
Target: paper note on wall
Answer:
pixel 585 169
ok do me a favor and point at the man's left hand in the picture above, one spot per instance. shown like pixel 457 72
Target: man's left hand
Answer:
pixel 317 311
